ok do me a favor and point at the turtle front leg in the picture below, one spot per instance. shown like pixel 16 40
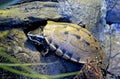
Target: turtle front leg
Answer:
pixel 44 52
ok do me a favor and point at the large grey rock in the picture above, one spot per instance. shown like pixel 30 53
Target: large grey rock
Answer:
pixel 113 13
pixel 17 51
pixel 28 13
pixel 6 3
pixel 112 46
pixel 80 12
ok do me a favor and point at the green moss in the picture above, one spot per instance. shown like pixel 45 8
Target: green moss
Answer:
pixel 2 34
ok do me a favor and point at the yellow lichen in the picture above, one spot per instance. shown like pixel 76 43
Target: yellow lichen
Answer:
pixel 8 12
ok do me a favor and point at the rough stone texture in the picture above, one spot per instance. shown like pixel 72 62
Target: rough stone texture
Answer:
pixel 99 31
pixel 79 12
pixel 6 3
pixel 23 1
pixel 17 46
pixel 113 11
pixel 112 45
pixel 111 3
pixel 88 13
pixel 29 12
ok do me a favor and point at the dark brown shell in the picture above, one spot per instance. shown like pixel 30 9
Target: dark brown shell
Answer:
pixel 72 42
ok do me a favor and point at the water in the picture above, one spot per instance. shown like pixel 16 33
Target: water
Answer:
pixel 7 3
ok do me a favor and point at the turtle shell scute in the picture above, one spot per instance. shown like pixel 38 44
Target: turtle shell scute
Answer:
pixel 75 42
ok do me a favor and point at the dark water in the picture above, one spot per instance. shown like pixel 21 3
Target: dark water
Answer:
pixel 6 3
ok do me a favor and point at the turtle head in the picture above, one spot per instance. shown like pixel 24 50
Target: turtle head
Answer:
pixel 40 43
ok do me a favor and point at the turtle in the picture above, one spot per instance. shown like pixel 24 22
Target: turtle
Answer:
pixel 69 41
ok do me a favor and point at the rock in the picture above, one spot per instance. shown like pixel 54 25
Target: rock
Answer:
pixel 80 12
pixel 111 4
pixel 112 46
pixel 28 13
pixel 16 44
pixel 113 12
pixel 24 1
pixel 16 50
pixel 6 3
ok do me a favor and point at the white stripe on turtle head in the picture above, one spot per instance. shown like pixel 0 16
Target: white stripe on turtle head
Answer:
pixel 32 38
pixel 39 40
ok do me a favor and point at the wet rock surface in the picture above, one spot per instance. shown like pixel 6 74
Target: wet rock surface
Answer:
pixel 15 43
pixel 113 11
pixel 79 12
pixel 112 48
pixel 112 35
pixel 27 13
